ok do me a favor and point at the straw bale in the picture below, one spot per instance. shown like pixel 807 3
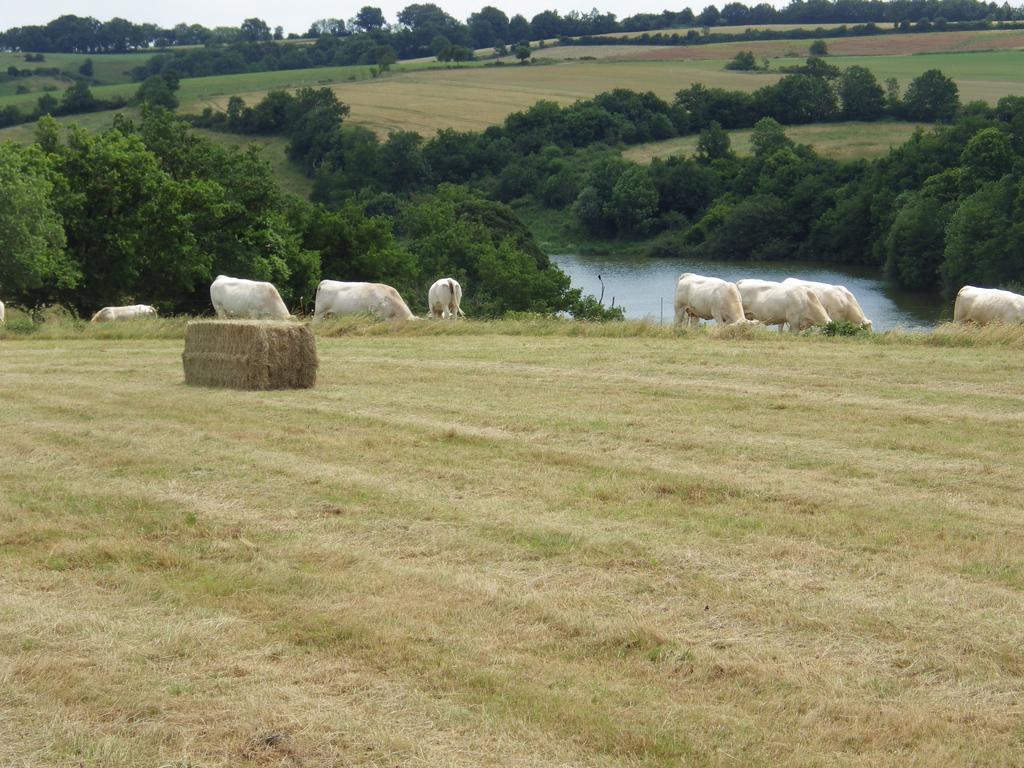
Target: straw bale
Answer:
pixel 249 354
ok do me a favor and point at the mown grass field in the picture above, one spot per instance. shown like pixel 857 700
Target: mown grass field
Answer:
pixel 476 545
pixel 840 141
pixel 475 98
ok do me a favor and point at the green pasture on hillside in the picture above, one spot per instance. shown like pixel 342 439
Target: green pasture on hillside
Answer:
pixel 108 68
pixel 477 544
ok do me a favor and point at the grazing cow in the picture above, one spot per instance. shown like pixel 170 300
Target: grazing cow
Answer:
pixel 236 297
pixel 778 304
pixel 3 313
pixel 338 298
pixel 133 312
pixel 707 298
pixel 444 298
pixel 988 305
pixel 838 301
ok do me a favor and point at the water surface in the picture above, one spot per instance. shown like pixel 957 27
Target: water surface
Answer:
pixel 646 286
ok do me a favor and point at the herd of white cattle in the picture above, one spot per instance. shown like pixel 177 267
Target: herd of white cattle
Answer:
pixel 803 304
pixel 798 304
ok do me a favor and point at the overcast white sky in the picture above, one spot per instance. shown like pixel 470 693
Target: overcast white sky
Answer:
pixel 294 16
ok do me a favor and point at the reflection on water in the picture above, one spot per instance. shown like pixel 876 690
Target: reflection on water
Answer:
pixel 646 286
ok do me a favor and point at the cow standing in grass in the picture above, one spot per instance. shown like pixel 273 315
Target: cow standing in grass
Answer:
pixel 132 312
pixel 988 305
pixel 838 301
pixel 707 298
pixel 334 297
pixel 444 298
pixel 234 297
pixel 778 304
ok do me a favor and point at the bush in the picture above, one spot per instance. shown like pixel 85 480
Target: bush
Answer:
pixel 843 328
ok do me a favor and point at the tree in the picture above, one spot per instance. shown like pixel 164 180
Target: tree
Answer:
pixel 742 61
pixel 86 69
pixel 713 144
pixel 818 48
pixel 987 156
pixel 768 137
pixel 523 52
pixel 915 242
pixel 546 25
pixel 708 17
pixel 488 26
pixel 157 91
pixel 634 201
pixel 77 99
pixel 31 230
pixel 799 99
pixel 279 33
pixel 519 28
pixel 985 238
pixel 255 30
pixel 931 97
pixel 861 96
pixel 368 19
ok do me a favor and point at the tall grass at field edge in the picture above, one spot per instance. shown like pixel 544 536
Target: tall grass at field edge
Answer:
pixel 21 327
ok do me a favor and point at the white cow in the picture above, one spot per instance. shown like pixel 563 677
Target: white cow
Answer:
pixel 776 304
pixel 988 305
pixel 3 313
pixel 444 298
pixel 338 298
pixel 133 312
pixel 707 298
pixel 838 301
pixel 236 297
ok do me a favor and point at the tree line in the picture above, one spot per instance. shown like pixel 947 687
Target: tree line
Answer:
pixel 914 213
pixel 417 26
pixel 149 212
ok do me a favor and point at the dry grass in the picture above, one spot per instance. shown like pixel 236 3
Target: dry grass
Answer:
pixel 839 141
pixel 495 549
pixel 872 45
pixel 472 99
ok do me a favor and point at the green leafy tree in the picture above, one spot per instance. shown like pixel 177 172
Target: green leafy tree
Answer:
pixel 768 137
pixel 77 99
pixel 819 48
pixel 634 200
pixel 31 230
pixel 255 30
pixel 985 238
pixel 861 96
pixel 988 156
pixel 713 144
pixel 85 70
pixel 523 52
pixel 931 97
pixel 368 19
pixel 743 61
pixel 157 91
pixel 915 242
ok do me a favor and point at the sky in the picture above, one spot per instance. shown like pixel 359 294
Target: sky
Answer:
pixel 296 15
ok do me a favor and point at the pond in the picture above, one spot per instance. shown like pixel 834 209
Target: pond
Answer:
pixel 646 286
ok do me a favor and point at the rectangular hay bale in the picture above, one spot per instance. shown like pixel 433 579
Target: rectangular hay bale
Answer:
pixel 249 354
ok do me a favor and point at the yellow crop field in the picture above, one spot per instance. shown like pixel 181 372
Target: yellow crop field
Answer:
pixel 840 141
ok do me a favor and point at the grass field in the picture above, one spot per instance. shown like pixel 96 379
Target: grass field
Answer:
pixel 472 546
pixel 472 99
pixel 840 141
pixel 197 92
pixel 108 68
